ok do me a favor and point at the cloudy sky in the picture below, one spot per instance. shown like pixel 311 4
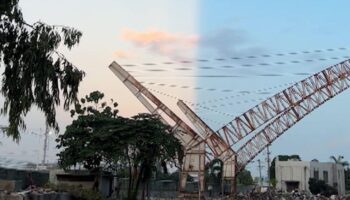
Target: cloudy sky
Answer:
pixel 206 52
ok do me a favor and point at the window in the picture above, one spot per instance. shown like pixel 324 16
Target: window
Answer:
pixel 325 176
pixel 316 174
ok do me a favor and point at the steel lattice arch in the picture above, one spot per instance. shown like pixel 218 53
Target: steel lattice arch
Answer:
pixel 264 123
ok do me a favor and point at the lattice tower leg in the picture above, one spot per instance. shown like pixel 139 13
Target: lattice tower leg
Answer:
pixel 194 164
pixel 230 173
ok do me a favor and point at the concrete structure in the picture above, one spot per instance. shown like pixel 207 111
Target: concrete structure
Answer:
pixel 82 179
pixel 294 174
pixel 21 179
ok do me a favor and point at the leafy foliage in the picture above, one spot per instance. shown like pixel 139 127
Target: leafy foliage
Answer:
pixel 100 139
pixel 152 143
pixel 214 172
pixel 35 72
pixel 88 140
pixel 273 182
pixel 347 178
pixel 245 178
pixel 339 160
pixel 77 191
pixel 320 187
pixel 175 176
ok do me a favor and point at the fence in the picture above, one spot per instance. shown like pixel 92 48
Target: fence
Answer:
pixel 169 188
pixel 24 178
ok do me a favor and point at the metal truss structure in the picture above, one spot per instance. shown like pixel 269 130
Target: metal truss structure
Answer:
pixel 265 121
pixel 194 143
pixel 303 97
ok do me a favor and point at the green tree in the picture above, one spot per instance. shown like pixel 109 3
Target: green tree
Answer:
pixel 245 178
pixel 339 160
pixel 88 141
pixel 35 72
pixel 320 187
pixel 99 139
pixel 214 173
pixel 347 179
pixel 153 142
pixel 175 176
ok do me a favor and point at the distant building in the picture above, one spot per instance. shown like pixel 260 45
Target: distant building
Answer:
pixel 294 174
pixel 22 179
pixel 83 179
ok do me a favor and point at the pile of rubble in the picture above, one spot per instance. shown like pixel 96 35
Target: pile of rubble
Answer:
pixel 34 195
pixel 272 195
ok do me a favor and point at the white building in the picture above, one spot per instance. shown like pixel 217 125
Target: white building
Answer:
pixel 293 174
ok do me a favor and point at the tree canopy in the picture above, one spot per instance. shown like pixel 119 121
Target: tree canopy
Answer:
pixel 347 178
pixel 339 160
pixel 35 72
pixel 86 141
pixel 99 139
pixel 321 187
pixel 215 171
pixel 245 177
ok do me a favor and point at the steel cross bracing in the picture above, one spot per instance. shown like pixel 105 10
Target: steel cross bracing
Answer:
pixel 278 113
pixel 268 109
pixel 147 98
pixel 193 142
pixel 213 140
pixel 218 146
pixel 303 97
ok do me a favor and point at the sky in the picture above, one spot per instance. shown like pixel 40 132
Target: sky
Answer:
pixel 184 49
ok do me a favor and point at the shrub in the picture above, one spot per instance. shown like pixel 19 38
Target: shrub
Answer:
pixel 320 187
pixel 77 191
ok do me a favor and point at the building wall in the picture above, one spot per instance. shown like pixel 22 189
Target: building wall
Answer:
pixel 336 176
pixel 321 168
pixel 341 179
pixel 298 171
pixel 301 171
pixel 83 179
pixel 24 178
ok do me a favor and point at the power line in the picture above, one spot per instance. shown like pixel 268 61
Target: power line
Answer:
pixel 268 164
pixel 191 103
pixel 237 76
pixel 202 106
pixel 243 92
pixel 189 61
pixel 188 102
pixel 280 63
pixel 261 91
pixel 260 166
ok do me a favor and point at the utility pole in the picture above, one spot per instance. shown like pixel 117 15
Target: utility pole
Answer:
pixel 259 165
pixel 268 165
pixel 45 143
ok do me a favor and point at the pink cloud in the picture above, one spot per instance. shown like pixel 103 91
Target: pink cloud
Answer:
pixel 123 54
pixel 161 42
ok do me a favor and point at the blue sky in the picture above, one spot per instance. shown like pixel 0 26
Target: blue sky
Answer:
pixel 270 27
pixel 136 32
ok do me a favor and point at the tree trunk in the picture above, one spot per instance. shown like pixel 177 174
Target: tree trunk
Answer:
pixel 137 179
pixel 130 181
pixel 147 189
pixel 143 191
pixel 95 186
